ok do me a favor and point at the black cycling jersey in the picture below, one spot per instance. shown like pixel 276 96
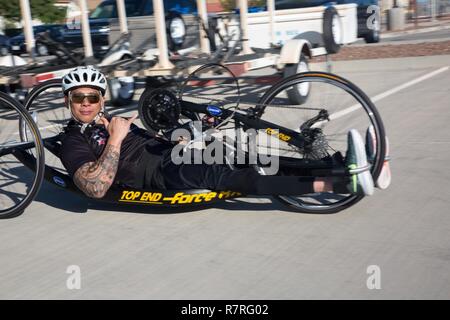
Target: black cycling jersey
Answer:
pixel 145 161
pixel 80 148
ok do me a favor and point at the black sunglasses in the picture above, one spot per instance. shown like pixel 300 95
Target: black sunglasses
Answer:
pixel 79 97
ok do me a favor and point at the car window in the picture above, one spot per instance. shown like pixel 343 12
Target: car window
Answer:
pixel 105 10
pixel 292 4
pixel 39 29
pixel 132 8
pixel 180 6
pixel 359 2
pixel 148 8
pixel 108 9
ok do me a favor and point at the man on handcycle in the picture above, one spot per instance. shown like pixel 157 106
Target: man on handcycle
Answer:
pixel 99 151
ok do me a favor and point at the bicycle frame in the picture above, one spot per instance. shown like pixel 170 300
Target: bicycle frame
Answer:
pixel 248 120
pixel 126 195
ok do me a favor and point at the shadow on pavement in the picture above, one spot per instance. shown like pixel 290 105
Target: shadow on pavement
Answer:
pixel 69 201
pixel 61 199
pixel 231 205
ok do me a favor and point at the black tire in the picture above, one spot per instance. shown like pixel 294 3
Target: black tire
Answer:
pixel 3 51
pixel 176 31
pixel 151 115
pixel 367 112
pixel 372 37
pixel 170 119
pixel 298 94
pixel 12 109
pixel 372 33
pixel 121 90
pixel 332 30
pixel 42 50
pixel 211 33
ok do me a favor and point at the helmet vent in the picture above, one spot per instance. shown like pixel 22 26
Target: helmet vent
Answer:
pixel 84 76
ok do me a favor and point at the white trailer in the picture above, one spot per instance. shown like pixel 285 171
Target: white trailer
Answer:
pixel 313 24
pixel 280 38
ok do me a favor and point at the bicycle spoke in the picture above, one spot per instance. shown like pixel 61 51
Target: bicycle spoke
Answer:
pixel 18 184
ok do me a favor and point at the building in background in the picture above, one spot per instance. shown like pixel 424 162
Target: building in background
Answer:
pixel 92 4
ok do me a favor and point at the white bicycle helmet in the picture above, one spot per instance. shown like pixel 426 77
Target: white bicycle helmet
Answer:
pixel 84 77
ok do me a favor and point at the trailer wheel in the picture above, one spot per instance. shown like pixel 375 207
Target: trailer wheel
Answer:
pixel 176 31
pixel 3 51
pixel 211 33
pixel 42 50
pixel 299 93
pixel 373 35
pixel 121 90
pixel 332 30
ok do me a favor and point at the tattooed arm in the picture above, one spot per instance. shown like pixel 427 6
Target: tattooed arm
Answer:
pixel 95 178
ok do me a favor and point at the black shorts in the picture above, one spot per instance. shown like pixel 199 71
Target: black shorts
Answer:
pixel 167 175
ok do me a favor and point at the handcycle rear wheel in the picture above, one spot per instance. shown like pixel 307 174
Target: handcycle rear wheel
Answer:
pixel 18 187
pixel 340 99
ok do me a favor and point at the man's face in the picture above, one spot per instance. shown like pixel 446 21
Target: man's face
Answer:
pixel 86 103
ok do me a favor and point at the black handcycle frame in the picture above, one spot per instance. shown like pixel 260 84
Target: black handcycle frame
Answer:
pixel 248 118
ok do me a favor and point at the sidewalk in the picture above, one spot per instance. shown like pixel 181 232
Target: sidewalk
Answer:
pixel 382 51
pixel 422 26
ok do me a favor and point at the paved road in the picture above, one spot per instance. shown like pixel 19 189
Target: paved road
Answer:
pixel 253 248
pixel 442 34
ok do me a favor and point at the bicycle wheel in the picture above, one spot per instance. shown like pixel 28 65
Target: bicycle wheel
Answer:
pixel 346 107
pixel 211 84
pixel 46 105
pixel 18 185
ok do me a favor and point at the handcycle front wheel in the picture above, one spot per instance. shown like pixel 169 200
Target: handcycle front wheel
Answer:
pixel 18 185
pixel 46 103
pixel 334 106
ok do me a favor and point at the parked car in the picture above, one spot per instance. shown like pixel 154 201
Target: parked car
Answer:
pixel 4 45
pixel 71 36
pixel 106 13
pixel 18 44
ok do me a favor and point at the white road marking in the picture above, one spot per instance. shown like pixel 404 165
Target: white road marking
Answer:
pixel 388 93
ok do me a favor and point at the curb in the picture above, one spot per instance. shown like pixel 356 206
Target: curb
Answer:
pixel 413 31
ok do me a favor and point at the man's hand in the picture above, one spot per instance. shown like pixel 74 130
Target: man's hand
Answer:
pixel 118 128
pixel 95 178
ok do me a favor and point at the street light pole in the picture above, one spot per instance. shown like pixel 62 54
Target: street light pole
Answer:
pixel 122 16
pixel 86 30
pixel 27 27
pixel 271 10
pixel 203 15
pixel 243 9
pixel 433 10
pixel 161 35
